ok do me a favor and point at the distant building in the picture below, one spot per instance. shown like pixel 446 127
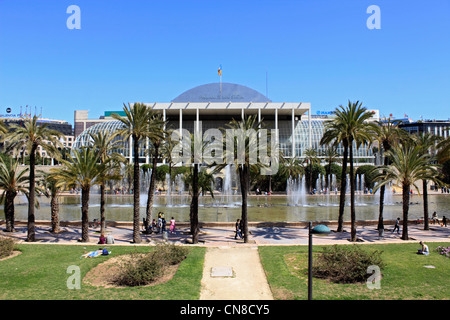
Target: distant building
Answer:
pixel 58 125
pixel 437 127
pixel 215 105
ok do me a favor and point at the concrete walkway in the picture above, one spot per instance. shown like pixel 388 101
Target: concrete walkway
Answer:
pixel 231 273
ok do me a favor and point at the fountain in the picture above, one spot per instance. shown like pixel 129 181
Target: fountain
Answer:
pixel 296 191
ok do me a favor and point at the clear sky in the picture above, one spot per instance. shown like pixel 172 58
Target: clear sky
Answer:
pixel 318 51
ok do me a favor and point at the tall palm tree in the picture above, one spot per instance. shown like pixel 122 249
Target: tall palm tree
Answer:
pixel 408 166
pixel 353 122
pixel 335 135
pixel 83 170
pixel 105 143
pixel 31 134
pixel 135 125
pixel 242 154
pixel 388 134
pixel 156 137
pixel 426 142
pixel 12 181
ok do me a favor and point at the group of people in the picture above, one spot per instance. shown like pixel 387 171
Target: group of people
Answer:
pixel 160 226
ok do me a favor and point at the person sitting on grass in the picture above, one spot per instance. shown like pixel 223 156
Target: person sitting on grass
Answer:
pixel 425 251
pixel 102 239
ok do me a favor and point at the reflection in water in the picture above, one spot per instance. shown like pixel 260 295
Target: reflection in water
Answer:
pixel 228 208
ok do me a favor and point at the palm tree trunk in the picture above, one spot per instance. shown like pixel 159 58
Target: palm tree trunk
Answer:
pixel 352 194
pixel 85 214
pixel 194 205
pixel 343 187
pixel 54 205
pixel 405 191
pixel 151 189
pixel 382 191
pixel 426 225
pixel 136 191
pixel 9 210
pixel 31 237
pixel 102 209
pixel 244 178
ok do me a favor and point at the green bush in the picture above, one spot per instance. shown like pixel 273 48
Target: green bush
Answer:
pixel 346 264
pixel 6 246
pixel 143 269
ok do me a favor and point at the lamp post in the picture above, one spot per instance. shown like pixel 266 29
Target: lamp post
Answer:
pixel 319 230
pixel 310 261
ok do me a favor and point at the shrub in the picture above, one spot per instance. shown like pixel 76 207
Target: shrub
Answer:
pixel 143 269
pixel 6 246
pixel 443 251
pixel 345 264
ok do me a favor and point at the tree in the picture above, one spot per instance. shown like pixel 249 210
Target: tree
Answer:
pixel 53 190
pixel 335 134
pixel 311 158
pixel 155 135
pixel 12 181
pixel 83 170
pixel 31 134
pixel 243 137
pixel 408 166
pixel 388 134
pixel 104 144
pixel 444 150
pixel 352 128
pixel 331 157
pixel 426 143
pixel 135 125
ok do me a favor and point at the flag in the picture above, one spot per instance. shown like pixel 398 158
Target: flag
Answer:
pixel 220 70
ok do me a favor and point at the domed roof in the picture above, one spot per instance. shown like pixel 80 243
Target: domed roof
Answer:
pixel 84 139
pixel 231 92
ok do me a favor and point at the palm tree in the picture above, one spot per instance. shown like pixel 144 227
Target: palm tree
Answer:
pixel 84 170
pixel 156 136
pixel 331 156
pixel 32 134
pixel 356 130
pixel 388 134
pixel 311 158
pixel 136 126
pixel 105 143
pixel 12 181
pixel 335 135
pixel 291 167
pixel 53 190
pixel 426 142
pixel 242 154
pixel 444 150
pixel 408 166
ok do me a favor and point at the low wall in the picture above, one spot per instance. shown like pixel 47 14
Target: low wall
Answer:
pixel 256 224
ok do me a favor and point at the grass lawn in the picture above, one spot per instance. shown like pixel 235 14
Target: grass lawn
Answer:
pixel 40 272
pixel 404 276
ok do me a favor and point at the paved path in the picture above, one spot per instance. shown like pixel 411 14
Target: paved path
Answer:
pixel 231 273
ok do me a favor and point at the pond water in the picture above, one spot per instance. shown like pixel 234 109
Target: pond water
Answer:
pixel 228 208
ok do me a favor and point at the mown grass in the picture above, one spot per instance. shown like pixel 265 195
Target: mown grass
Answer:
pixel 40 272
pixel 404 276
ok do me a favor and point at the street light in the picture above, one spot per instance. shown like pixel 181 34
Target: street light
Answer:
pixel 320 229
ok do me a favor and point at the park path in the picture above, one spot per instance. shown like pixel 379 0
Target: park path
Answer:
pixel 234 273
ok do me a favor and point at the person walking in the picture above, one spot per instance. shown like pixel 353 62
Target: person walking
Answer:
pixel 397 226
pixel 238 229
pixel 172 225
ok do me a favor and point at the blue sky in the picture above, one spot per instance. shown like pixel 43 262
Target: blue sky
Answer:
pixel 151 51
